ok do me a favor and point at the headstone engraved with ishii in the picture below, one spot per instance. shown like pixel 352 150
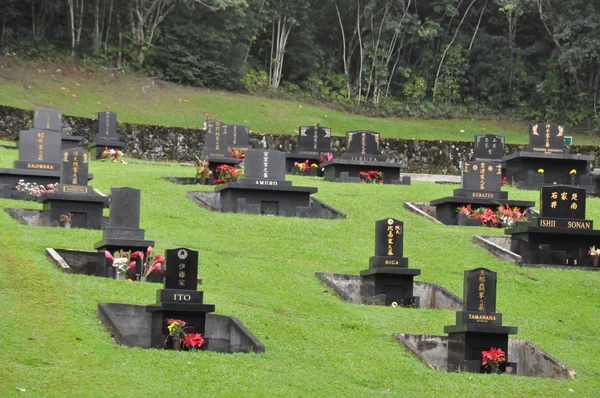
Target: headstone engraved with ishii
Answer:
pixel 546 161
pixel 388 279
pixel 489 147
pixel 123 232
pixel 74 203
pixel 107 136
pixel 481 185
pixel 179 299
pixel 561 235
pixel 363 157
pixel 314 144
pixel 49 119
pixel 264 190
pixel 478 326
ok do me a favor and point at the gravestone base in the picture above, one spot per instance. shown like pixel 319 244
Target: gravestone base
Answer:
pixel 97 147
pixel 9 178
pixel 332 170
pixel 41 218
pixel 131 326
pixel 446 208
pixel 522 169
pixel 355 289
pixel 395 283
pixel 194 316
pixel 553 246
pixel 300 157
pixel 85 209
pixel 530 360
pixel 216 161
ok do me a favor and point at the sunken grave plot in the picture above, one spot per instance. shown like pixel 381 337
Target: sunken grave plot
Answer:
pixel 314 147
pixel 479 329
pixel 546 161
pixel 122 234
pixel 363 156
pixel 264 190
pixel 389 280
pixel 147 326
pixel 480 188
pixel 72 203
pixel 107 136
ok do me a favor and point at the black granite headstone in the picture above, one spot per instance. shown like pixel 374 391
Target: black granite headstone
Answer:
pixel 182 269
pixel 124 208
pixel 217 144
pixel 489 147
pixel 562 201
pixel 237 136
pixel 47 119
pixel 39 149
pixel 314 139
pixel 389 237
pixel 74 171
pixel 264 167
pixel 482 175
pixel 480 290
pixel 546 137
pixel 362 142
pixel 107 126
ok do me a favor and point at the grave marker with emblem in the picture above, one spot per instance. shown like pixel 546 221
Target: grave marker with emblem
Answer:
pixel 489 147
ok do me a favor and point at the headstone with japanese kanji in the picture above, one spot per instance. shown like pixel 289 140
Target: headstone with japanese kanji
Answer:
pixel 481 179
pixel 39 150
pixel 107 136
pixel 489 147
pixel 237 136
pixel 388 275
pixel 478 326
pixel 264 167
pixel 217 142
pixel 48 119
pixel 546 138
pixel 563 206
pixel 363 145
pixel 179 299
pixel 313 140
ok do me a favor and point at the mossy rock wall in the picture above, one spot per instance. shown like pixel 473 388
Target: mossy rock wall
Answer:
pixel 182 144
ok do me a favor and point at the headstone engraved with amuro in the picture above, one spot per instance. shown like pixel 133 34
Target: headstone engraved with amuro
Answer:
pixel 263 167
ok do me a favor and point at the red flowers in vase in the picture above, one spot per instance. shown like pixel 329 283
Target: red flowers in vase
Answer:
pixel 493 358
pixel 373 176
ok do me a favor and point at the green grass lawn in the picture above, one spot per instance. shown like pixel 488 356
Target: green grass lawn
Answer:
pixel 136 99
pixel 261 270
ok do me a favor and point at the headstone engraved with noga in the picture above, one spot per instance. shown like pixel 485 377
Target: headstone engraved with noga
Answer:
pixel 489 147
pixel 363 145
pixel 179 299
pixel 547 138
pixel 481 179
pixel 388 272
pixel 478 326
pixel 314 139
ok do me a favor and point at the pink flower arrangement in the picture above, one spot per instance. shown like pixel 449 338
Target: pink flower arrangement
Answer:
pixel 502 217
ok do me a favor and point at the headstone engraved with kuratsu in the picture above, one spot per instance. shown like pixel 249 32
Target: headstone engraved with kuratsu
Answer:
pixel 123 231
pixel 489 147
pixel 478 326
pixel 74 204
pixel 179 299
pixel 388 275
pixel 481 179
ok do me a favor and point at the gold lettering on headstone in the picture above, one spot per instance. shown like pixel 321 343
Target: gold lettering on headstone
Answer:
pixel 481 290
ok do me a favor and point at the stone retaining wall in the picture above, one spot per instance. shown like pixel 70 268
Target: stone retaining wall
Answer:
pixel 182 144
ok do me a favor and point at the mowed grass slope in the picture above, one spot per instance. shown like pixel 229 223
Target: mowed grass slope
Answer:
pixel 261 270
pixel 138 99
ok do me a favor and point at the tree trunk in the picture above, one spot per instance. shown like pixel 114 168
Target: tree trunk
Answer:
pixel 72 25
pixel 96 46
pixel 346 72
pixel 360 46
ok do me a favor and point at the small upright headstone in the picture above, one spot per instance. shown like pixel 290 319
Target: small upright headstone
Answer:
pixel 363 145
pixel 74 171
pixel 107 136
pixel 47 119
pixel 314 139
pixel 264 167
pixel 481 179
pixel 388 272
pixel 39 149
pixel 217 143
pixel 547 138
pixel 478 326
pixel 489 147
pixel 182 270
pixel 237 136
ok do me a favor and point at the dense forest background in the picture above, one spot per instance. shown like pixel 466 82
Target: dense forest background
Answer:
pixel 536 59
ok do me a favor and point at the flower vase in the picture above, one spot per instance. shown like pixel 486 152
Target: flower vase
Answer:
pixel 595 260
pixel 573 180
pixel 176 344
pixel 67 225
pixel 143 278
